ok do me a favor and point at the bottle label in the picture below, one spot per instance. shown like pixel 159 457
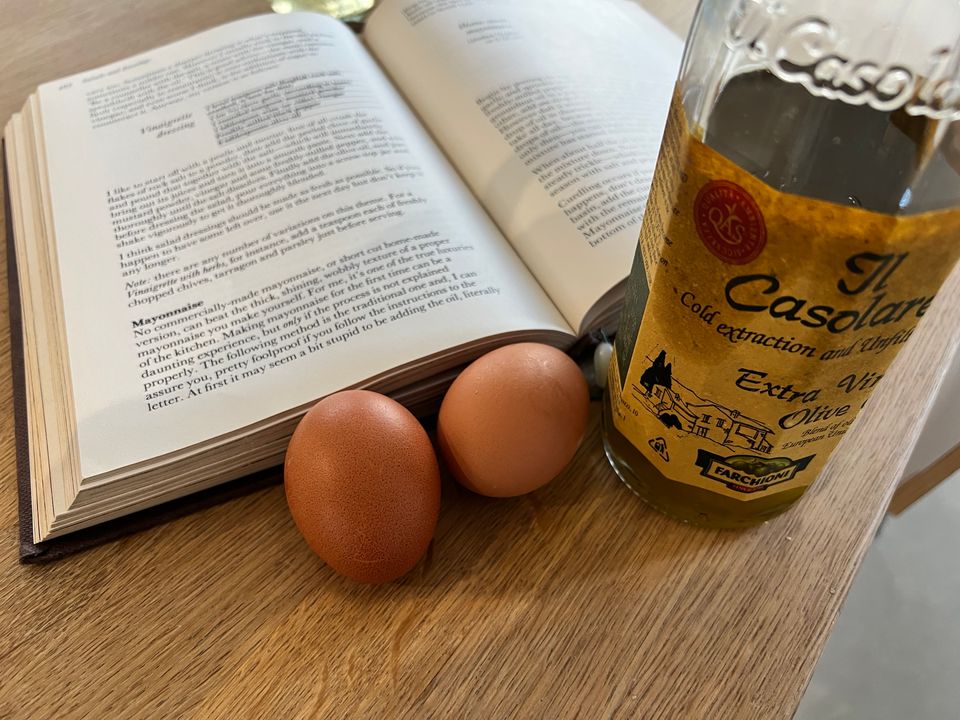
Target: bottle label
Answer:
pixel 757 323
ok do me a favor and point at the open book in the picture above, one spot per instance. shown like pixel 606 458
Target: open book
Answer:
pixel 213 235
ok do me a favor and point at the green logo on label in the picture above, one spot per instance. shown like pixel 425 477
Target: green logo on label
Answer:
pixel 749 473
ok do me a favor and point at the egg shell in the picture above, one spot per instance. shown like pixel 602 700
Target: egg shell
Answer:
pixel 513 419
pixel 363 485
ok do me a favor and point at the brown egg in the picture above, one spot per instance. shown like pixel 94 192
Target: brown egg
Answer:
pixel 363 485
pixel 513 419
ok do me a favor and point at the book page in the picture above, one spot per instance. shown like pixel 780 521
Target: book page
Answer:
pixel 552 110
pixel 248 220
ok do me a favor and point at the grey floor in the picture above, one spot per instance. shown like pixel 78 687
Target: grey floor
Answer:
pixel 895 651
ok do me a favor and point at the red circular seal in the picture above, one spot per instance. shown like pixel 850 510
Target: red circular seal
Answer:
pixel 729 222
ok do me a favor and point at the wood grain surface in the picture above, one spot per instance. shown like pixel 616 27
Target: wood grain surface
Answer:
pixel 577 601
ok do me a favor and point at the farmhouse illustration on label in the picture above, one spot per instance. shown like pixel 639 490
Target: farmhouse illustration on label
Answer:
pixel 677 406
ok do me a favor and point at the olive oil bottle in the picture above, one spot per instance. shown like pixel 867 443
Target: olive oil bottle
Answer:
pixel 803 215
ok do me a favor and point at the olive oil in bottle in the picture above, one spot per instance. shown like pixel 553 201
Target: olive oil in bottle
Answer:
pixel 802 217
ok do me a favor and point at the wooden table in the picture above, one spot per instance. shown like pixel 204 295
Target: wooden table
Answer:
pixel 575 602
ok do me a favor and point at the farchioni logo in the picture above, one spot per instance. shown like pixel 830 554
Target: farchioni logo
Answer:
pixel 749 473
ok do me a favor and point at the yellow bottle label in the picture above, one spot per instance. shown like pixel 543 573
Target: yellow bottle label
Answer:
pixel 769 319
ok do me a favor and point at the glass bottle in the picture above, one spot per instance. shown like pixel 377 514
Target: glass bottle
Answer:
pixel 803 214
pixel 341 9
